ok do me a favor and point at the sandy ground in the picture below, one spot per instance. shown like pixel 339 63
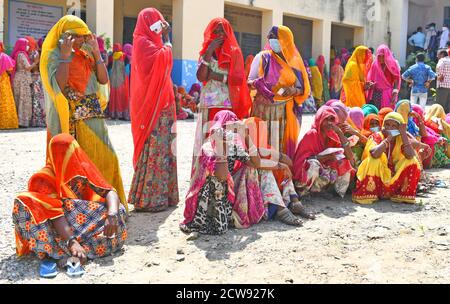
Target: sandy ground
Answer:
pixel 347 243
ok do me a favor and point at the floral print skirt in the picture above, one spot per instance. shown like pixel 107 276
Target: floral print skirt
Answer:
pixel 37 100
pixel 155 185
pixel 85 218
pixel 320 178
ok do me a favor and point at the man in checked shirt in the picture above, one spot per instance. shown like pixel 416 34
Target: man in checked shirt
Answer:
pixel 443 80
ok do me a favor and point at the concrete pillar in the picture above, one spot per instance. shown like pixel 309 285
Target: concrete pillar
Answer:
pixel 188 29
pixel 118 21
pixel 269 19
pixel 321 39
pixel 2 19
pixel 100 17
pixel 399 29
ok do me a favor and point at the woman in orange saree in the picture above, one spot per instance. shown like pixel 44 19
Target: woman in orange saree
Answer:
pixel 282 83
pixel 69 208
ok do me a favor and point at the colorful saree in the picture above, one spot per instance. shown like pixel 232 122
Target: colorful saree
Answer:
pixel 70 185
pixel 336 76
pixel 8 112
pixel 392 176
pixel 354 78
pixel 385 78
pixel 78 108
pixel 438 159
pixel 317 83
pixel 275 73
pixel 313 176
pixel 119 101
pixel 153 113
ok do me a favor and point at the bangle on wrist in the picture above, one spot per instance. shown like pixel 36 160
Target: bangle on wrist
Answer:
pixel 225 79
pixel 208 64
pixel 61 60
pixel 100 61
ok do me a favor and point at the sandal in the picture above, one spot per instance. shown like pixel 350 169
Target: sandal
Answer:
pixel 287 217
pixel 298 209
pixel 48 269
pixel 74 268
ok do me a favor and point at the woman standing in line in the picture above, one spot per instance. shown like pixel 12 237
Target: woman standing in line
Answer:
pixel 153 114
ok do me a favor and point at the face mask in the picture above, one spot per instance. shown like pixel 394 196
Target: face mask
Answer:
pixel 394 133
pixel 275 45
pixel 375 129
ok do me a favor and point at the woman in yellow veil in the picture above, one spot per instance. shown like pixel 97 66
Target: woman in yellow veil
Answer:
pixel 355 75
pixel 76 88
pixel 390 168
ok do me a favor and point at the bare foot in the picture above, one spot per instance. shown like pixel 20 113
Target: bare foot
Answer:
pixel 77 251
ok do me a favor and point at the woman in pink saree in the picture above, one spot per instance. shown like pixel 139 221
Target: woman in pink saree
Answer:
pixel 217 199
pixel 386 76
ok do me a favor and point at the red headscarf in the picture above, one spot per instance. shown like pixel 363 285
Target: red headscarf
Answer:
pixel 151 85
pixel 382 114
pixel 321 64
pixel 366 126
pixel 32 43
pixel 230 58
pixel 314 141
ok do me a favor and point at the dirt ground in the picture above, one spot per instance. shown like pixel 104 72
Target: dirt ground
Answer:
pixel 347 243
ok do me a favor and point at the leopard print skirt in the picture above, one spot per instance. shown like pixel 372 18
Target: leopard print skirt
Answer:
pixel 213 215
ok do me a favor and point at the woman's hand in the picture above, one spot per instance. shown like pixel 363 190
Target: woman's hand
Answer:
pixel 346 128
pixel 111 226
pixel 67 47
pixel 289 92
pixel 93 43
pixel 403 130
pixel 215 44
pixel 166 28
pixel 368 85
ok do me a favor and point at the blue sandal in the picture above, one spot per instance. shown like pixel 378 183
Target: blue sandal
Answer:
pixel 74 268
pixel 48 269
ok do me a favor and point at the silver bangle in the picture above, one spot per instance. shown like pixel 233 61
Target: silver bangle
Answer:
pixel 225 79
pixel 208 64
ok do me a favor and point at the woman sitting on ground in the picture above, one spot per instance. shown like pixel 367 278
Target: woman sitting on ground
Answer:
pixel 213 202
pixel 390 168
pixel 323 157
pixel 281 201
pixel 69 210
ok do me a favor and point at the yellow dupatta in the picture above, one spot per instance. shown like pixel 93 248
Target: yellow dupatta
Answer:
pixel 355 78
pixel 438 111
pixel 380 167
pixel 94 142
pixel 55 99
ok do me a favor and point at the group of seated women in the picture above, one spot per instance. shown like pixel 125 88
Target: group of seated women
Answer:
pixel 238 179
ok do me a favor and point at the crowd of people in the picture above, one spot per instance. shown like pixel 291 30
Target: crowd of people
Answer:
pixel 249 163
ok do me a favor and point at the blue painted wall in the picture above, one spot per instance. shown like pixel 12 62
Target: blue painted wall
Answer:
pixel 184 72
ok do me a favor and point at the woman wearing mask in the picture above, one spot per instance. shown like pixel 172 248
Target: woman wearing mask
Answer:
pixel 281 80
pixel 390 168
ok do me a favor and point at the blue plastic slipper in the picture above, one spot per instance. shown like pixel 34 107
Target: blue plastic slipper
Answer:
pixel 48 269
pixel 440 184
pixel 74 269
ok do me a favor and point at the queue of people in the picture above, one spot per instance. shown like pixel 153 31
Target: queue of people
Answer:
pixel 248 165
